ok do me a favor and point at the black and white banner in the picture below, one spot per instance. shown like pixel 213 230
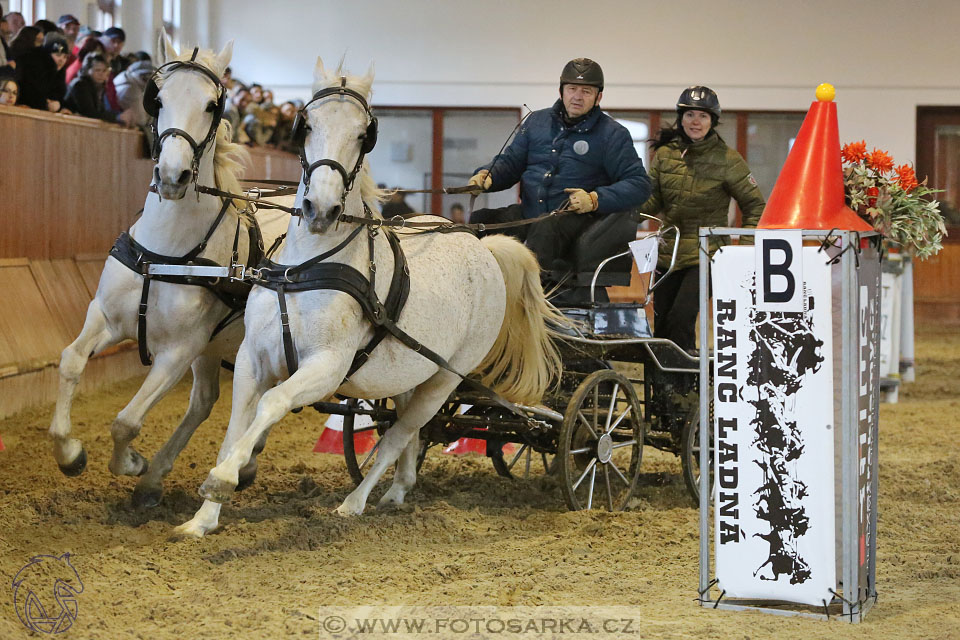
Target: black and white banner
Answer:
pixel 773 428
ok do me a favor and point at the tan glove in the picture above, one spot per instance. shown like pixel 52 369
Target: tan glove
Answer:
pixel 581 201
pixel 481 179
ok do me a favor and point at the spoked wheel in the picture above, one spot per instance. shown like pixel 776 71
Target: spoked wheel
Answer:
pixel 690 455
pixel 522 464
pixel 601 443
pixel 359 464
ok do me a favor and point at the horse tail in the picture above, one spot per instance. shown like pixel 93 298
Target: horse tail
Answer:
pixel 523 362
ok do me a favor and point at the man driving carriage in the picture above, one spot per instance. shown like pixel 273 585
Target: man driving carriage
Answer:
pixel 570 151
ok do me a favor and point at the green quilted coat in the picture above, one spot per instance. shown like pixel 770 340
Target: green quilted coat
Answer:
pixel 691 187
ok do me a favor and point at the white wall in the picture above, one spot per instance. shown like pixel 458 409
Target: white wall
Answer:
pixel 884 56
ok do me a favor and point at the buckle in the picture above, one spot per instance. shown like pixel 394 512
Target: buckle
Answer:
pixel 237 271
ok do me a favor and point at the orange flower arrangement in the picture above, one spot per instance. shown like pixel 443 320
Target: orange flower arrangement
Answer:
pixel 892 200
pixel 854 151
pixel 880 161
pixel 907 177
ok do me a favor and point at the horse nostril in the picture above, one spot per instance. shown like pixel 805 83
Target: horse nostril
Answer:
pixel 184 177
pixel 156 175
pixel 335 211
pixel 308 210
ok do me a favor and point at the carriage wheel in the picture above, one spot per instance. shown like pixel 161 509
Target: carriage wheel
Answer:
pixel 601 443
pixel 358 464
pixel 690 455
pixel 523 464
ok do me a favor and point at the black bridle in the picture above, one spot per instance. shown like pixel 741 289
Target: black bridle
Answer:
pixel 152 105
pixel 368 140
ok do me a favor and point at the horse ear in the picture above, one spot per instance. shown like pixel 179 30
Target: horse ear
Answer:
pixel 167 51
pixel 368 78
pixel 223 58
pixel 319 73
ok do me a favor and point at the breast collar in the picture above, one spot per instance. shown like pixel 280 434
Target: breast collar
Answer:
pixel 233 293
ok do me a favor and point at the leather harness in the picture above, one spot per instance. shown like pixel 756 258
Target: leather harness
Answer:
pixel 232 292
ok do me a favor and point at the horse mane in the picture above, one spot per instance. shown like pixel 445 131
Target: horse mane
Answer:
pixel 229 158
pixel 369 192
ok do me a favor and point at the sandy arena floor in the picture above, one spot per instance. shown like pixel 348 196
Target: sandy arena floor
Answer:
pixel 466 536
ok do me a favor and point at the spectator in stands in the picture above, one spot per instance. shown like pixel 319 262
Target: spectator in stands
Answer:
pixel 267 99
pixel 86 92
pixel 70 27
pixel 113 40
pixel 259 124
pixel 16 22
pixel 5 33
pixel 256 94
pixel 27 39
pixel 8 91
pixel 46 26
pixel 283 134
pixel 41 74
pixel 90 45
pixel 85 34
pixel 235 109
pixel 396 205
pixel 130 87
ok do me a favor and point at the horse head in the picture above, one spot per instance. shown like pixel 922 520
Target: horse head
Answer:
pixel 334 131
pixel 186 99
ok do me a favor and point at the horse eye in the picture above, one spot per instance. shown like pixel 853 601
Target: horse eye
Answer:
pixel 211 106
pixel 159 104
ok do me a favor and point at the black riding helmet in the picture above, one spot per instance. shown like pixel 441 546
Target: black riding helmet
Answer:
pixel 582 71
pixel 700 98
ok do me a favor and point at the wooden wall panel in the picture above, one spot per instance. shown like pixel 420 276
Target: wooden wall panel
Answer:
pixel 72 184
pixel 64 291
pixel 30 330
pixel 936 284
pixel 39 386
pixel 90 266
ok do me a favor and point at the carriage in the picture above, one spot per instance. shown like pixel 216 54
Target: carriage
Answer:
pixel 621 388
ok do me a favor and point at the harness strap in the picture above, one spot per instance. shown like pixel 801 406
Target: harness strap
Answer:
pixel 396 299
pixel 145 359
pixel 138 258
pixel 289 350
pixel 344 278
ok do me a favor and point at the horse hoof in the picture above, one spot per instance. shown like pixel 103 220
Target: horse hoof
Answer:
pixel 185 532
pixel 147 497
pixel 246 481
pixel 76 467
pixel 216 490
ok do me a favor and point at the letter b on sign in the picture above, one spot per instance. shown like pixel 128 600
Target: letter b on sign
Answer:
pixel 779 270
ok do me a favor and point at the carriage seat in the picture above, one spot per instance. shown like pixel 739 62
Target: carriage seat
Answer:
pixel 606 237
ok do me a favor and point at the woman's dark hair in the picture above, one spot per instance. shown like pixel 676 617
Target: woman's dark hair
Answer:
pixel 669 134
pixel 91 60
pixel 90 45
pixel 46 26
pixel 25 41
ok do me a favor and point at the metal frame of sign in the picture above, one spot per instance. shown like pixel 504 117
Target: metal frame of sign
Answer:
pixel 849 578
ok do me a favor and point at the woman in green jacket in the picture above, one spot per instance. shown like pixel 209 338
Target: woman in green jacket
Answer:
pixel 693 175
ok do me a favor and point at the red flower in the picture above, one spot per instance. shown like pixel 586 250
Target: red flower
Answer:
pixel 907 177
pixel 880 161
pixel 854 151
pixel 872 193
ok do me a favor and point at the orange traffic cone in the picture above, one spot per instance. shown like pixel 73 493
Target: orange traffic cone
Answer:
pixel 464 446
pixel 809 192
pixel 331 440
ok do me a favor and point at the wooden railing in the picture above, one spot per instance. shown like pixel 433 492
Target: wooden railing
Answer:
pixel 68 187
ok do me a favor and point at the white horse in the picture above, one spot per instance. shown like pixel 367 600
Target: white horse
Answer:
pixel 180 319
pixel 478 304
